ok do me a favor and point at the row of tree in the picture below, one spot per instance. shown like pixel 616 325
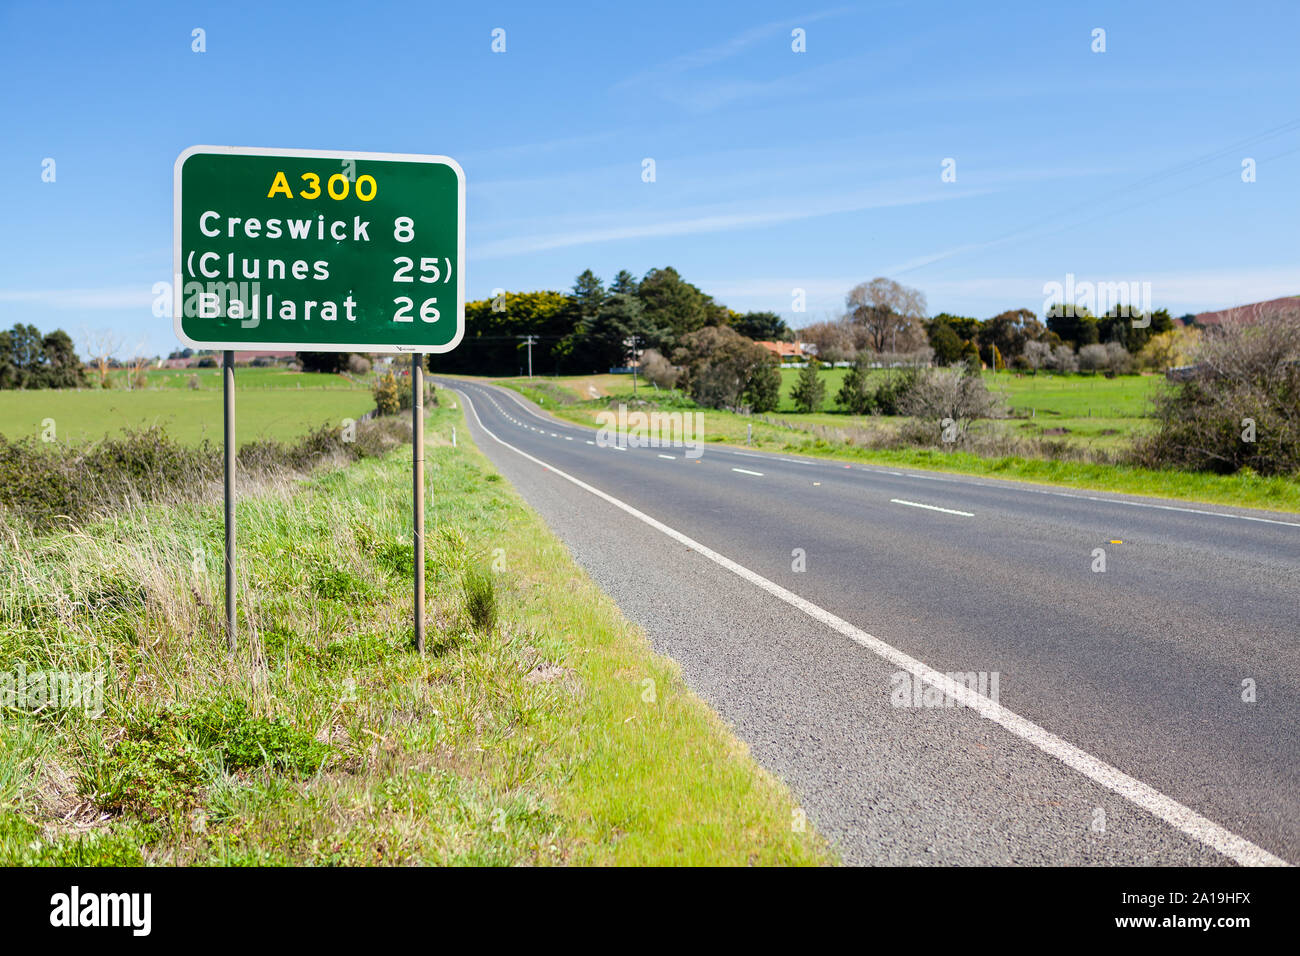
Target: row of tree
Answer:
pixel 29 359
pixel 594 326
pixel 885 318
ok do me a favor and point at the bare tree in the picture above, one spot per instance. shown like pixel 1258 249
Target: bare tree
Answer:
pixel 952 397
pixel 136 364
pixel 833 339
pixel 99 346
pixel 890 313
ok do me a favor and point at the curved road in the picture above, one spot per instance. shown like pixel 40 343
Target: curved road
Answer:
pixel 797 593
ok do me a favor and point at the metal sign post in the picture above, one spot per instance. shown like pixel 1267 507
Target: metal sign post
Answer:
pixel 417 489
pixel 228 398
pixel 321 251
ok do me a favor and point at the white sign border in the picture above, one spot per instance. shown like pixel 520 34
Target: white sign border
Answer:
pixel 177 276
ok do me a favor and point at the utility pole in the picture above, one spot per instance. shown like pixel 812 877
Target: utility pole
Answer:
pixel 529 340
pixel 631 342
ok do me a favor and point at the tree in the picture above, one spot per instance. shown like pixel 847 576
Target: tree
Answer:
pixel 618 318
pixel 1009 331
pixel 763 391
pixel 676 307
pixel 955 395
pixel 330 363
pixel 832 339
pixel 945 342
pixel 1075 325
pixel 970 354
pixel 718 365
pixel 763 327
pixel 624 283
pixel 1037 355
pixel 588 293
pixel 855 395
pixel 888 312
pixel 100 344
pixel 809 392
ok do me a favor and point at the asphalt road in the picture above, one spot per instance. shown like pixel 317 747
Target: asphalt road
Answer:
pixel 1119 734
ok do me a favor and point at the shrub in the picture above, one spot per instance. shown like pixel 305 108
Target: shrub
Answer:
pixel 719 365
pixel 387 399
pixel 358 364
pixel 658 370
pixel 956 394
pixel 891 395
pixel 1241 408
pixel 763 391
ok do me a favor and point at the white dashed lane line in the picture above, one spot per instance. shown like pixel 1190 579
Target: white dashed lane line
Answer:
pixel 669 457
pixel 746 471
pixel 917 504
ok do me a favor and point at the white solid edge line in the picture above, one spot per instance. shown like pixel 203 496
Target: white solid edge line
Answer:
pixel 1181 818
pixel 917 504
pixel 746 471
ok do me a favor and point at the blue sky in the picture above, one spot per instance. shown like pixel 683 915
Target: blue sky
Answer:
pixel 775 170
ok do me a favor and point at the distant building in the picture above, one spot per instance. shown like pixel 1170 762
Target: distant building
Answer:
pixel 789 351
pixel 1246 313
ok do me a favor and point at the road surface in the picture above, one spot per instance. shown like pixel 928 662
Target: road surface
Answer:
pixel 1148 713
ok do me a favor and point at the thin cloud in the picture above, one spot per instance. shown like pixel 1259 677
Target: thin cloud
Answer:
pixel 721 220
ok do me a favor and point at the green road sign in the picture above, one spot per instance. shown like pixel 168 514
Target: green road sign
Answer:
pixel 318 250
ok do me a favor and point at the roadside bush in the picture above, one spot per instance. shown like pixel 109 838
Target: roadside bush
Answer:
pixel 358 364
pixel 958 395
pixel 658 370
pixel 719 366
pixel 891 395
pixel 1241 408
pixel 387 399
pixel 51 486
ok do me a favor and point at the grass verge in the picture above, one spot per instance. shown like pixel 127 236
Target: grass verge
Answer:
pixel 539 727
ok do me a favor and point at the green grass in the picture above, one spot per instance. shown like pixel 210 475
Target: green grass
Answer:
pixel 210 378
pixel 189 416
pixel 539 727
pixel 831 436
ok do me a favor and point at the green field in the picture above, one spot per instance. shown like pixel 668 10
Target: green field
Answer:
pixel 188 415
pixel 245 378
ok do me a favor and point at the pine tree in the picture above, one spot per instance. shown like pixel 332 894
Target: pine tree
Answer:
pixel 854 396
pixel 809 391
